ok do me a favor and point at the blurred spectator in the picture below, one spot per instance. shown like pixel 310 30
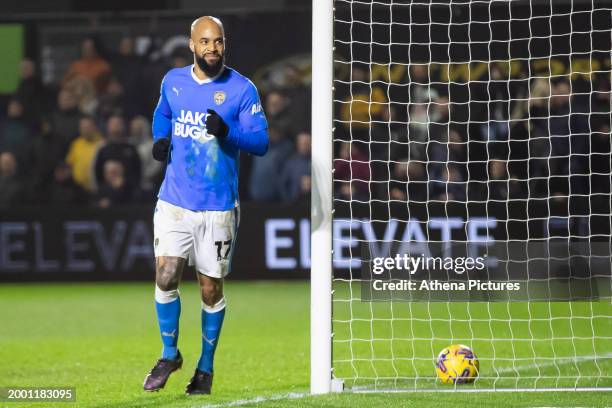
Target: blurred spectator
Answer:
pixel 568 147
pixel 65 119
pixel 600 160
pixel 386 127
pixel 497 127
pixel 539 96
pixel 82 152
pixel 449 148
pixel 11 190
pixel 439 117
pixel 457 150
pixel 63 190
pixel 602 101
pixel 517 186
pixel 117 147
pixel 449 185
pixel 352 173
pixel 296 169
pixel 408 182
pixel 278 114
pixel 114 189
pixel 111 101
pixel 421 90
pixel 497 185
pixel 418 132
pixel 31 93
pixel 85 93
pixel 264 184
pixel 46 151
pixel 142 139
pixel 365 102
pixel 398 185
pixel 125 62
pixel 539 141
pixel 15 134
pixel 299 97
pixel 91 66
pixel 383 143
pixel 127 69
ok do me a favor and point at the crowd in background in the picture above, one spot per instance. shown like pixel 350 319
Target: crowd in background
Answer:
pixel 88 141
pixel 527 138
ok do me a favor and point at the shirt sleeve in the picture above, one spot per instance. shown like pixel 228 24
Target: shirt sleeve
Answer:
pixel 162 116
pixel 252 132
pixel 251 115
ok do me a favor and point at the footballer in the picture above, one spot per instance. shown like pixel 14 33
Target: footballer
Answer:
pixel 207 113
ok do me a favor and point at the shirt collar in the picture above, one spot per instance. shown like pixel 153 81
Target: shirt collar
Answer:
pixel 207 80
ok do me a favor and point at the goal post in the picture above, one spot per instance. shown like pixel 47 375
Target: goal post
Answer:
pixel 321 197
pixel 465 133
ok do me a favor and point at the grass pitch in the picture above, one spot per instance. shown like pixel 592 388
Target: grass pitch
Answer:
pixel 103 339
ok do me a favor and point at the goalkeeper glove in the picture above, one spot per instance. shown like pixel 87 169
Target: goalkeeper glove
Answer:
pixel 161 147
pixel 215 125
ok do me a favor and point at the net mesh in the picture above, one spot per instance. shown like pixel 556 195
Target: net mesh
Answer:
pixel 458 120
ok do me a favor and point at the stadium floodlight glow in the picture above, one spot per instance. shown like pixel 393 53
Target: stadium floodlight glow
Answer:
pixel 450 123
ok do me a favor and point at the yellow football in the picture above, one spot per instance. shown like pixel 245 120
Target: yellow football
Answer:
pixel 457 364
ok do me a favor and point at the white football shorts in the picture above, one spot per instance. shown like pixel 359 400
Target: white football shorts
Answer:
pixel 205 238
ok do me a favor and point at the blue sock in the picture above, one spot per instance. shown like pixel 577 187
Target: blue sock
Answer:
pixel 168 318
pixel 211 329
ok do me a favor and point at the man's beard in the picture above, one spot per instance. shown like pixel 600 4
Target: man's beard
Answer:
pixel 210 70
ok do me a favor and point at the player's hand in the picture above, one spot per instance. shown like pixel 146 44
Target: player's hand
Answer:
pixel 215 125
pixel 161 147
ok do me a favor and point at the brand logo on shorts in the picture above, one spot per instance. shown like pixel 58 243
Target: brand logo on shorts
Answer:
pixel 156 242
pixel 219 97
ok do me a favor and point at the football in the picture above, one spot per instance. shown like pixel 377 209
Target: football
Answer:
pixel 457 364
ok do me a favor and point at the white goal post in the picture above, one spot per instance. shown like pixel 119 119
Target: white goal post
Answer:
pixel 321 207
pixel 441 126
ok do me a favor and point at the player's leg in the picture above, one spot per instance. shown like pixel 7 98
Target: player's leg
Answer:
pixel 213 313
pixel 212 257
pixel 173 242
pixel 168 271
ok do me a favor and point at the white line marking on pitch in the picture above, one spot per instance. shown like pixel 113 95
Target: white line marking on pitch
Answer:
pixel 256 400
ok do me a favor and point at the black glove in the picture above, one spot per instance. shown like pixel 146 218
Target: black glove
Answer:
pixel 161 147
pixel 215 125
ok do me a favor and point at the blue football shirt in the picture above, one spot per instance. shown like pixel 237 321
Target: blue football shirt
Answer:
pixel 202 172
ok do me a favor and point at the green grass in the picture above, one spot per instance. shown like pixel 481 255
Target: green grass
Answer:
pixel 103 339
pixel 519 344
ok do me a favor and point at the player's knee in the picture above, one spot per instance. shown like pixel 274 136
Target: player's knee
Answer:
pixel 167 281
pixel 214 307
pixel 212 292
pixel 167 276
pixel 211 296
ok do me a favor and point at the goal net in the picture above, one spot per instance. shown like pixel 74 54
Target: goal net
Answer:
pixel 472 128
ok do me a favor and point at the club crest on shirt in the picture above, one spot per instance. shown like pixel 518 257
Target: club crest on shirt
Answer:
pixel 219 97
